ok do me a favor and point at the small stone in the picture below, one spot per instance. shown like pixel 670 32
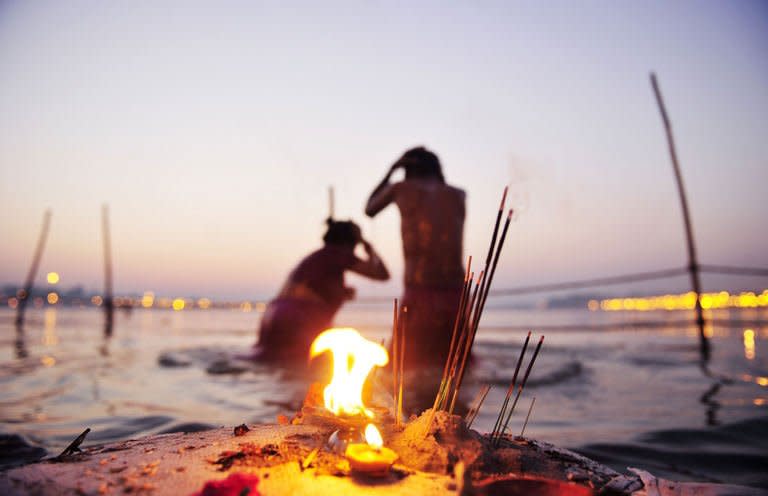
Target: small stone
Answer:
pixel 241 429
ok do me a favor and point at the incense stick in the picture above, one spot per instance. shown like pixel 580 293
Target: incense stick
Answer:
pixel 476 404
pixel 457 326
pixel 466 349
pixel 484 296
pixel 530 408
pixel 394 358
pixel 401 357
pixel 455 334
pixel 520 390
pixel 466 323
pixel 511 388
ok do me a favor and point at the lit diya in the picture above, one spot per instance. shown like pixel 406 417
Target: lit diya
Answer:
pixel 372 457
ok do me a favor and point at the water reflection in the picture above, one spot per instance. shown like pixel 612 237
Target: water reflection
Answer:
pixel 49 328
pixel 20 344
pixel 749 344
pixel 712 405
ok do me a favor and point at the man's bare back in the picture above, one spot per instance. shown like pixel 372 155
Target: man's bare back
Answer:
pixel 432 226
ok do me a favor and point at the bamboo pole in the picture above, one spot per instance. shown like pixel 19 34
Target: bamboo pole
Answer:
pixel 693 265
pixel 108 297
pixel 25 293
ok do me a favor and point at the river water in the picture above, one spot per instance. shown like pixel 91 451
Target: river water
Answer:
pixel 626 395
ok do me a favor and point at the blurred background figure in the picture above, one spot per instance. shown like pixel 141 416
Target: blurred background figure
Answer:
pixel 314 292
pixel 432 227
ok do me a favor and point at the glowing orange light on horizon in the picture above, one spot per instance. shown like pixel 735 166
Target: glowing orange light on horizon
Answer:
pixel 353 358
pixel 178 304
pixel 52 298
pixel 52 278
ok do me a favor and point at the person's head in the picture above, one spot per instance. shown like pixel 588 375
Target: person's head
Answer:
pixel 342 232
pixel 420 163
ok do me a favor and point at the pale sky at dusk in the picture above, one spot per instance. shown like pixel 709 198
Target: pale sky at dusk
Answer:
pixel 213 129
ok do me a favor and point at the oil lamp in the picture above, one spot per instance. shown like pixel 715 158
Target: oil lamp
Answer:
pixel 372 457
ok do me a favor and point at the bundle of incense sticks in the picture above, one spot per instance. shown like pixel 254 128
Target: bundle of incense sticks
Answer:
pixel 471 305
pixel 398 359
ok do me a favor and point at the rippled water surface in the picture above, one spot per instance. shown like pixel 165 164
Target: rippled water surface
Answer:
pixel 630 396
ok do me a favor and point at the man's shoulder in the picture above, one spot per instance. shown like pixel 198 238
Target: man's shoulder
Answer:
pixel 423 185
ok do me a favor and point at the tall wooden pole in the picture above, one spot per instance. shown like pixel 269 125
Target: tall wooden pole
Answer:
pixel 331 203
pixel 25 293
pixel 693 265
pixel 108 300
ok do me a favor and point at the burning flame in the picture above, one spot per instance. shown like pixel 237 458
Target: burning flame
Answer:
pixel 373 436
pixel 353 358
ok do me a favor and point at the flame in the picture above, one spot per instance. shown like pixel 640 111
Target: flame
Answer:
pixel 373 436
pixel 353 358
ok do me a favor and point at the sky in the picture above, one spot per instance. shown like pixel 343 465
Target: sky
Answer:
pixel 213 130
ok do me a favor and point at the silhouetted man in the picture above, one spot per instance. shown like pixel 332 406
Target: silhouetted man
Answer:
pixel 314 292
pixel 432 226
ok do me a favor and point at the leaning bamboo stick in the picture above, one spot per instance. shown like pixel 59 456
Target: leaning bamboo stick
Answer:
pixel 24 294
pixel 511 388
pixel 693 265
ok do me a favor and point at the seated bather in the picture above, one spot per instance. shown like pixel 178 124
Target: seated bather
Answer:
pixel 314 292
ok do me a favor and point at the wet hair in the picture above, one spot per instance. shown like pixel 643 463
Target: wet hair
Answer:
pixel 421 163
pixel 341 232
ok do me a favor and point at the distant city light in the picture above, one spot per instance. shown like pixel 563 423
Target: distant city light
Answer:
pixel 246 306
pixel 204 303
pixel 13 302
pixel 684 301
pixel 97 300
pixel 53 298
pixel 178 304
pixel 148 299
pixel 52 277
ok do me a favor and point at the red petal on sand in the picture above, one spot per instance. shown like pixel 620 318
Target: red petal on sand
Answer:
pixel 236 484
